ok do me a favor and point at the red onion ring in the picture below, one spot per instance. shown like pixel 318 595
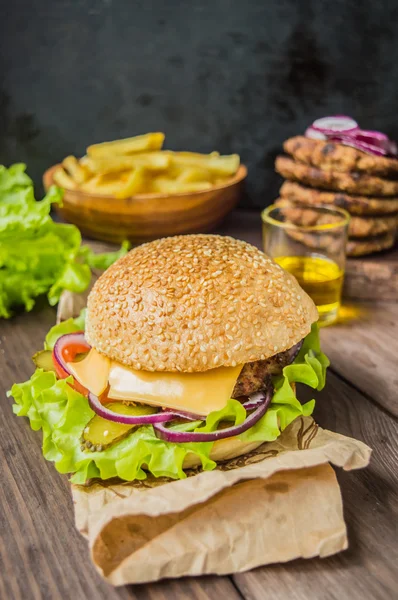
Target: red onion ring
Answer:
pixel 294 350
pixel 255 400
pixel 76 339
pixel 314 134
pixel 359 145
pixel 160 417
pixel 188 415
pixel 376 138
pixel 393 148
pixel 196 436
pixel 334 124
pixel 369 136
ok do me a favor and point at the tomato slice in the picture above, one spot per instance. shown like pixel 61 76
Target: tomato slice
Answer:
pixel 69 354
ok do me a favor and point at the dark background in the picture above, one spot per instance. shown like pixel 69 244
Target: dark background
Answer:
pixel 215 74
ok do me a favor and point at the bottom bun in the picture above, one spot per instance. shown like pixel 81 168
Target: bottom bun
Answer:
pixel 223 450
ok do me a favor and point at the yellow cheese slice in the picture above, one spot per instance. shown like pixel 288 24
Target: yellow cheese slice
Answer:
pixel 199 393
pixel 92 371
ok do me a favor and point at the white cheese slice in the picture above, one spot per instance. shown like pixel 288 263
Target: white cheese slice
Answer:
pixel 199 393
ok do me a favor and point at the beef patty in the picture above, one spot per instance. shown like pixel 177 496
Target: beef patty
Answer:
pixel 255 375
pixel 338 157
pixel 351 183
pixel 356 205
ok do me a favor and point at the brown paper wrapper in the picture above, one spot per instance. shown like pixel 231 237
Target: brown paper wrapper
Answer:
pixel 277 503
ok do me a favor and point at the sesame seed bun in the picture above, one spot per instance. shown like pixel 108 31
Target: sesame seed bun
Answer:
pixel 196 302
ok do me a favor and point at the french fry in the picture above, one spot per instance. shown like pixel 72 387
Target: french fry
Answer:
pixel 75 170
pixel 153 161
pixel 62 179
pixel 139 143
pixel 86 163
pixel 106 185
pixel 223 166
pixel 162 185
pixel 135 184
pixel 191 174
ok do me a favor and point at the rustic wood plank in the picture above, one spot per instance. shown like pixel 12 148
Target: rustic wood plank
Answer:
pixel 369 568
pixel 41 553
pixel 363 347
pixel 373 277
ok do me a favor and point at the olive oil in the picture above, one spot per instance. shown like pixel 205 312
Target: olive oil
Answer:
pixel 321 278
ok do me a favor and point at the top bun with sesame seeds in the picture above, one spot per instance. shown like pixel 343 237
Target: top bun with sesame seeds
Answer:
pixel 196 302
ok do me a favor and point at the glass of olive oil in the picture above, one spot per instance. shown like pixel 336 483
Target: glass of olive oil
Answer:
pixel 309 241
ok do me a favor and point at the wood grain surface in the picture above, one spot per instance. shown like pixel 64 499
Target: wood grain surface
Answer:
pixel 43 557
pixel 373 277
pixel 363 348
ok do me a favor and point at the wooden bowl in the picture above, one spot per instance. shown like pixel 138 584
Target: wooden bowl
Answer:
pixel 148 216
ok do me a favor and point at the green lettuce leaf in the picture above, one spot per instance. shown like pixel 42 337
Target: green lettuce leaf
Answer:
pixel 69 326
pixel 62 413
pixel 37 255
pixel 104 260
pixel 14 177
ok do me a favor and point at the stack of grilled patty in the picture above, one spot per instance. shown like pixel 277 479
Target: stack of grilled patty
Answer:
pixel 330 173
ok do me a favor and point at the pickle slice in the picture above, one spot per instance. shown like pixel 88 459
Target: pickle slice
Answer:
pixel 43 360
pixel 100 433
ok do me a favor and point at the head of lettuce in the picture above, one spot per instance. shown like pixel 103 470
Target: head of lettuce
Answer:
pixel 37 255
pixel 187 356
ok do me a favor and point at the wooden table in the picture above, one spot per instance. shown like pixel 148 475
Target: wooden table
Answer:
pixel 43 556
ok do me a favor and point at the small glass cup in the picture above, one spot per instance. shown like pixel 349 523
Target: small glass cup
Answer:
pixel 309 241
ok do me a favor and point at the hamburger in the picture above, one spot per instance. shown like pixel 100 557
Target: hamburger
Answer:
pixel 188 355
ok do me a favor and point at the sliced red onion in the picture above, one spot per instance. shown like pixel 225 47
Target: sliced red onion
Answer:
pixel 393 148
pixel 376 138
pixel 188 415
pixel 314 134
pixel 337 123
pixel 160 417
pixel 345 130
pixel 370 137
pixel 359 145
pixel 196 436
pixel 293 351
pixel 255 400
pixel 69 339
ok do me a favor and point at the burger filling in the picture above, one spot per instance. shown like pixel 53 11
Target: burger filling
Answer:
pixel 255 376
pixel 103 419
